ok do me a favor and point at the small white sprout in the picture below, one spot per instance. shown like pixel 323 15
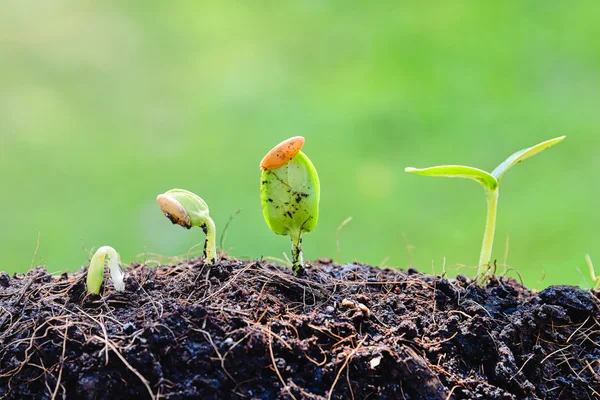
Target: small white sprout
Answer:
pixel 95 276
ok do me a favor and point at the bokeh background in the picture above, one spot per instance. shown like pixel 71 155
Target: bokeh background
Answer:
pixel 105 104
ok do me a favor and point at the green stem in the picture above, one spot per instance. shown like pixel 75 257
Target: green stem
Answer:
pixel 297 259
pixel 210 246
pixel 490 227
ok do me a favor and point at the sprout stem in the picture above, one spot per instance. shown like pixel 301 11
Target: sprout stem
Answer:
pixel 297 258
pixel 210 247
pixel 491 196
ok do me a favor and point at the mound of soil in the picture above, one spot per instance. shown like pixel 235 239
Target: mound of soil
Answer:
pixel 253 330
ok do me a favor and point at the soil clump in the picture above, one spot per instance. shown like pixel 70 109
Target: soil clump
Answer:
pixel 252 330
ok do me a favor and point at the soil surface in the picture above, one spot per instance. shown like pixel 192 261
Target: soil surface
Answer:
pixel 253 330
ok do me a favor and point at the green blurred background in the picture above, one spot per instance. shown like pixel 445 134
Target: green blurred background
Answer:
pixel 105 104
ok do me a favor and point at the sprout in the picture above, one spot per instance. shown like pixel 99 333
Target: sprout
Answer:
pixel 188 209
pixel 289 194
pixel 95 275
pixel 490 183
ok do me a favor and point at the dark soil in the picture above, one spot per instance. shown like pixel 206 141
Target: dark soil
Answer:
pixel 252 330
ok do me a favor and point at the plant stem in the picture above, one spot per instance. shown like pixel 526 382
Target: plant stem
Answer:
pixel 210 246
pixel 116 275
pixel 490 227
pixel 297 259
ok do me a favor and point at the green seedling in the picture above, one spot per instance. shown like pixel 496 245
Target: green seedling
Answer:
pixel 95 275
pixel 289 194
pixel 490 182
pixel 188 209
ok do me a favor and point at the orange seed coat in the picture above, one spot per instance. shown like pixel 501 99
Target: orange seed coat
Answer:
pixel 282 153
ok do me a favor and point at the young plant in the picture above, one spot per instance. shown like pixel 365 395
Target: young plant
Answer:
pixel 289 194
pixel 95 275
pixel 188 209
pixel 490 183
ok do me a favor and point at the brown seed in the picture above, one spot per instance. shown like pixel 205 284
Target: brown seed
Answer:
pixel 173 210
pixel 282 153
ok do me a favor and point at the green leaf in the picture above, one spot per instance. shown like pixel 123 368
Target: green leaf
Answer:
pixel 95 273
pixel 290 196
pixel 522 155
pixel 458 171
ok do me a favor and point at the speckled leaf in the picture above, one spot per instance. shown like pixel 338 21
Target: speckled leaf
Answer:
pixel 290 196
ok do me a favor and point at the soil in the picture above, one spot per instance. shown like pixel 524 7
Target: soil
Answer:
pixel 253 330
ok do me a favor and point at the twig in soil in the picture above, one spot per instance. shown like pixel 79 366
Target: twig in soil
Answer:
pixel 346 361
pixel 269 333
pixel 153 302
pixel 62 360
pixel 577 330
pixel 229 310
pixel 37 247
pixel 102 326
pixel 31 340
pixel 135 371
pixel 452 391
pixel 101 323
pixel 522 366
pixel 216 349
pixel 304 393
pixel 433 344
pixel 224 231
pixel 285 386
pixel 434 301
pixel 24 290
pixel 349 383
pixel 318 364
pixel 3 320
pixel 554 352
pixel 326 332
pixel 506 248
pixel 226 284
pixel 516 272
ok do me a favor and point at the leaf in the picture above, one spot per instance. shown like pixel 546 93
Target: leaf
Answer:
pixel 290 196
pixel 458 171
pixel 522 155
pixel 95 273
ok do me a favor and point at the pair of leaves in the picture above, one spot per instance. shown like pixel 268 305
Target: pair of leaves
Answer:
pixel 487 180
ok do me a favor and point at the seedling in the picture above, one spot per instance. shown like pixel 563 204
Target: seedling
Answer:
pixel 95 275
pixel 289 194
pixel 188 209
pixel 490 183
